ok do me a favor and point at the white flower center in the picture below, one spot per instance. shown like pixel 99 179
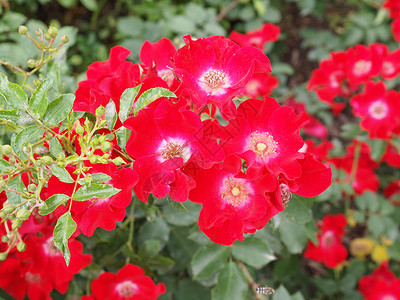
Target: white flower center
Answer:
pixel 378 109
pixel 235 191
pixel 262 144
pixel 214 82
pixel 126 289
pixel 174 147
pixel 50 248
pixel 362 67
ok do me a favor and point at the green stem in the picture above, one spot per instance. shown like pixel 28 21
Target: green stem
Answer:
pixel 132 223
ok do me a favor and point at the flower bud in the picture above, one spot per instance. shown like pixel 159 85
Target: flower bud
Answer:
pixel 21 246
pixel 5 239
pixel 88 124
pixel 6 149
pixel 38 32
pixel 16 223
pixel 47 160
pixel 100 111
pixel 32 187
pixel 79 128
pixel 118 161
pixel 22 29
pixel 48 136
pixel 47 36
pixel 12 160
pixel 52 31
pixel 88 179
pixel 64 39
pixel 2 214
pixel 95 142
pixel 62 164
pixel 36 82
pixel 102 139
pixel 106 146
pixel 93 160
pixel 3 256
pixel 8 208
pixel 23 214
pixel 31 63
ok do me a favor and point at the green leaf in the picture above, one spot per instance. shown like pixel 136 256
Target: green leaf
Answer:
pixel 123 135
pixel 58 109
pixel 181 24
pixel 52 203
pixel 299 209
pixel 180 247
pixel 293 235
pixel 25 136
pixel 149 96
pixel 16 184
pixel 62 174
pixel 101 191
pixel 55 148
pixel 67 3
pixel 281 294
pixel 156 229
pixel 253 251
pixel 100 177
pixel 130 26
pixel 182 217
pixel 231 284
pixel 378 148
pixel 127 99
pixel 90 4
pixel 63 230
pixel 208 260
pixel 10 115
pixel 38 100
pixel 187 287
pixel 111 114
pixel 4 165
pixel 13 94
pixel 149 249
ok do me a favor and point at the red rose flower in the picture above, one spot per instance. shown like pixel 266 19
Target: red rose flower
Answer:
pixel 390 60
pixel 261 84
pixel 396 28
pixel 391 156
pixel 128 284
pixel 215 69
pixel 257 38
pixel 330 249
pixel 394 7
pixel 392 192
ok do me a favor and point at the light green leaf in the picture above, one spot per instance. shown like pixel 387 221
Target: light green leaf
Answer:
pixel 111 114
pixel 25 136
pixel 10 115
pixel 58 109
pixel 4 165
pixel 299 209
pixel 149 96
pixel 231 284
pixel 90 4
pixel 13 93
pixel 62 174
pixel 16 184
pixel 100 177
pixel 38 101
pixel 55 148
pixel 127 99
pixel 52 203
pixel 95 190
pixel 63 230
pixel 253 251
pixel 209 260
pixel 123 135
pixel 293 235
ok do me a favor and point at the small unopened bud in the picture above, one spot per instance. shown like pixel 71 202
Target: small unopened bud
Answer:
pixel 87 123
pixel 36 82
pixel 93 160
pixel 6 149
pixel 102 123
pixel 3 256
pixel 64 39
pixel 22 30
pixel 100 111
pixel 32 187
pixel 8 208
pixel 2 214
pixel 88 179
pixel 102 139
pixel 79 128
pixel 16 223
pixel 52 31
pixel 106 146
pixel 12 160
pixel 23 214
pixel 48 136
pixel 95 142
pixel 47 160
pixel 47 36
pixel 21 246
pixel 31 63
pixel 39 32
pixel 118 161
pixel 5 239
pixel 62 164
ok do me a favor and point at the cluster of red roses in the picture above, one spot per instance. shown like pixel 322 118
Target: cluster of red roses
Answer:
pixel 394 8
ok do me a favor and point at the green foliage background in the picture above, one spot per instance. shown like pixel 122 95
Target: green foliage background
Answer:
pixel 166 239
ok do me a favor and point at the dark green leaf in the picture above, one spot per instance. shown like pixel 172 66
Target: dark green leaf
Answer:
pixel 10 115
pixel 63 230
pixel 62 174
pixel 101 191
pixel 149 96
pixel 231 284
pixel 38 101
pixel 127 99
pixel 56 148
pixel 13 94
pixel 253 251
pixel 293 235
pixel 209 260
pixel 378 148
pixel 182 217
pixel 149 249
pixel 299 209
pixel 196 291
pixel 27 135
pixel 111 114
pixel 281 293
pixel 52 203
pixel 58 109
pixel 156 229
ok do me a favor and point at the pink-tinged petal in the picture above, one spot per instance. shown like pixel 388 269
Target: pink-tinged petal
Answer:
pixel 179 189
pixel 250 56
pixel 198 95
pixel 129 272
pixel 158 54
pixel 315 178
pixel 224 49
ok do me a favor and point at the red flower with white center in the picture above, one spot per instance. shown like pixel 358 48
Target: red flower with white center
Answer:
pixel 257 38
pixel 362 64
pixel 266 134
pixel 261 84
pixel 108 79
pixel 164 138
pixel 233 204
pixel 44 258
pixel 365 177
pixel 157 57
pixel 382 284
pixel 18 281
pixel 103 213
pixel 215 69
pixel 128 284
pixel 379 109
pixel 390 60
pixel 330 249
